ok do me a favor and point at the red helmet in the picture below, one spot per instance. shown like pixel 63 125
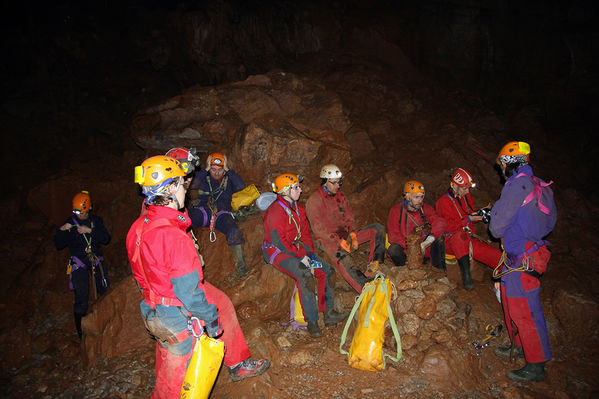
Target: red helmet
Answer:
pixel 186 157
pixel 462 178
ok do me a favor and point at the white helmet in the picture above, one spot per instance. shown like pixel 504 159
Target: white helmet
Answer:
pixel 330 171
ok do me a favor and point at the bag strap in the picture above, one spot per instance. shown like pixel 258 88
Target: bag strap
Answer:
pixel 367 288
pixel 395 332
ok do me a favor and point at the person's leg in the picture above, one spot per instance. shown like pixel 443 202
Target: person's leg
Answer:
pixel 485 253
pixel 374 234
pixel 227 225
pixel 305 284
pixel 80 279
pixel 236 349
pixel 200 216
pixel 397 254
pixel 437 251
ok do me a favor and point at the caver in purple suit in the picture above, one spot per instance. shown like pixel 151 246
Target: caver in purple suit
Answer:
pixel 524 214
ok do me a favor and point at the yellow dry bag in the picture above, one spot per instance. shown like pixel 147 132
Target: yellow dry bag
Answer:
pixel 203 367
pixel 244 197
pixel 366 350
pixel 297 314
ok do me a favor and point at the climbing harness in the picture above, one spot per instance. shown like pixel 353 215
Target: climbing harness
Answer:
pixel 526 262
pixel 95 262
pixel 298 237
pixel 425 227
pixel 492 332
pixel 214 195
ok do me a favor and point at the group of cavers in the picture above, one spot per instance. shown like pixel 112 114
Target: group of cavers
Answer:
pixel 168 267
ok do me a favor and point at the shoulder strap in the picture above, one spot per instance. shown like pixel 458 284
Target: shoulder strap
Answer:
pixel 536 192
pixel 143 228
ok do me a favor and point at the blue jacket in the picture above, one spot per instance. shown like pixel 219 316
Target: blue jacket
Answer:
pixel 223 194
pixel 516 224
pixel 77 243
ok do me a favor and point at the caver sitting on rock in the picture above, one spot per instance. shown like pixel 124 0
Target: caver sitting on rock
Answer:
pixel 84 234
pixel 168 269
pixel 456 206
pixel 412 215
pixel 288 246
pixel 332 222
pixel 216 185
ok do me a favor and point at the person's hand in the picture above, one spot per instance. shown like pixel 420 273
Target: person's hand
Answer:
pixel 66 226
pixel 83 230
pixel 225 166
pixel 426 243
pixel 208 162
pixel 475 218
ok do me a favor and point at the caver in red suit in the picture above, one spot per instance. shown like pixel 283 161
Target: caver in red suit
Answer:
pixel 332 221
pixel 168 270
pixel 425 221
pixel 458 234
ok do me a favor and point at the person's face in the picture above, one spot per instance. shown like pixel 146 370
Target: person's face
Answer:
pixel 181 191
pixel 415 201
pixel 460 191
pixel 83 216
pixel 332 185
pixel 294 192
pixel 217 172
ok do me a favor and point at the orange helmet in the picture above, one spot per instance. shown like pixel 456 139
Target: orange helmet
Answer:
pixel 462 178
pixel 217 159
pixel 284 181
pixel 514 151
pixel 82 202
pixel 413 186
pixel 156 170
pixel 186 157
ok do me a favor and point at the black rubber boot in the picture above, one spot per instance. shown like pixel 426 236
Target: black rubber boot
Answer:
pixel 530 372
pixel 239 260
pixel 464 263
pixel 78 318
pixel 314 330
pixel 332 317
pixel 508 353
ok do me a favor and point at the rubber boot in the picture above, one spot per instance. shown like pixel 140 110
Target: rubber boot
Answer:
pixel 78 318
pixel 508 353
pixel 239 260
pixel 314 330
pixel 464 263
pixel 530 372
pixel 332 317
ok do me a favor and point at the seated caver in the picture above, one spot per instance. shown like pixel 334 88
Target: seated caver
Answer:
pixel 412 215
pixel 216 185
pixel 332 221
pixel 288 246
pixel 456 206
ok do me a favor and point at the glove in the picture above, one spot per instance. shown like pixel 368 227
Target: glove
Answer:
pixel 426 243
pixel 306 261
pixel 350 243
pixel 214 329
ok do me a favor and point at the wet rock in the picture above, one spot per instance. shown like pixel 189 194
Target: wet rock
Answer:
pixel 414 255
pixel 425 308
pixel 300 358
pixel 407 285
pixel 402 305
pixel 409 323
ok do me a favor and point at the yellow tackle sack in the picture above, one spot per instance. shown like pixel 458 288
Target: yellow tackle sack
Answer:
pixel 297 319
pixel 244 197
pixel 203 368
pixel 366 350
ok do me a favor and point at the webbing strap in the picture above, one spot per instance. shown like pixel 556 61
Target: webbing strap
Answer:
pixel 536 192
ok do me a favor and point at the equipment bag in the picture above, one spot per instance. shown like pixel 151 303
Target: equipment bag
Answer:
pixel 366 350
pixel 203 367
pixel 298 322
pixel 244 197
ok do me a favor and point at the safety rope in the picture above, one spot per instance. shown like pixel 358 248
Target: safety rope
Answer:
pixel 526 265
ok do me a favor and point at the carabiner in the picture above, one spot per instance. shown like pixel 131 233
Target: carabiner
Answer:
pixel 190 328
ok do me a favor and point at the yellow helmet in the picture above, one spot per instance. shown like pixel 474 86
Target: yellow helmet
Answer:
pixel 82 202
pixel 514 151
pixel 156 170
pixel 284 181
pixel 413 186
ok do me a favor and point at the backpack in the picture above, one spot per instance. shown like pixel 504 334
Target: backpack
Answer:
pixel 366 350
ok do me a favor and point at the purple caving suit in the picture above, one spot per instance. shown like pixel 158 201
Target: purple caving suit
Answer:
pixel 521 226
